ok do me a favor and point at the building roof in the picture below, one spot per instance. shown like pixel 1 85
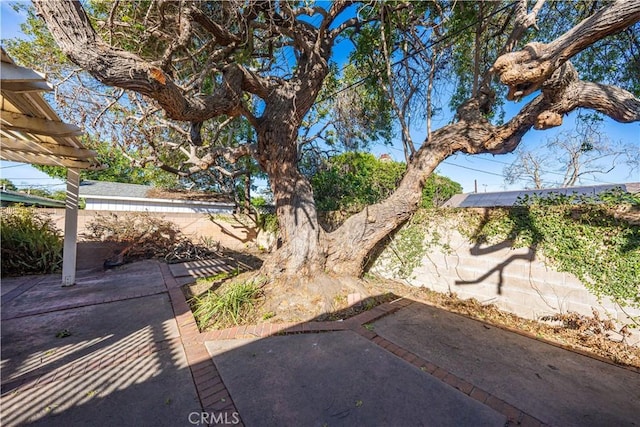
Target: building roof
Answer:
pixel 31 131
pixel 509 198
pixel 113 189
pixel 119 190
pixel 11 197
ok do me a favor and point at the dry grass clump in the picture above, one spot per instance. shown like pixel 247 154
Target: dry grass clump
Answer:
pixel 231 304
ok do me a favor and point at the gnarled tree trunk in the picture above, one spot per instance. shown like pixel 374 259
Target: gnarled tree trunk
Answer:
pixel 300 249
pixel 304 249
pixel 351 245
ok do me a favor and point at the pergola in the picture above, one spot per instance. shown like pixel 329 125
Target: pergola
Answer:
pixel 31 132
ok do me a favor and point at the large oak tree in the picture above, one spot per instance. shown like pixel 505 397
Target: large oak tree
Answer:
pixel 265 62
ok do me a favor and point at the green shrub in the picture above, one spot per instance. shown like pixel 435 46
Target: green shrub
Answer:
pixel 266 219
pixel 30 242
pixel 351 181
pixel 437 190
pixel 268 222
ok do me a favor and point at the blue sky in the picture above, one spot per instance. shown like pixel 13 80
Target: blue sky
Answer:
pixel 20 174
pixel 485 169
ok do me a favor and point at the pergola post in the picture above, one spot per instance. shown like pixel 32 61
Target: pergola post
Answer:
pixel 70 228
pixel 32 132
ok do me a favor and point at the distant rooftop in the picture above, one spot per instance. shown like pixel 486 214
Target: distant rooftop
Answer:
pixel 8 197
pixel 509 198
pixel 104 189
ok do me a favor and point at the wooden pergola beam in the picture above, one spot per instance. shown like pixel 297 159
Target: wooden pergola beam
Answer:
pixel 31 132
pixel 23 123
pixel 43 159
pixel 25 146
pixel 12 73
pixel 22 87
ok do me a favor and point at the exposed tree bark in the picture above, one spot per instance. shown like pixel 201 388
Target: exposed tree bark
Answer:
pixel 562 93
pixel 70 27
pixel 612 101
pixel 525 71
pixel 351 245
pixel 299 249
pixel 304 249
pixel 355 240
pixel 286 103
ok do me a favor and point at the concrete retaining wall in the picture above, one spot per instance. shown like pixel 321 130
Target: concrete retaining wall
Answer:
pixel 515 280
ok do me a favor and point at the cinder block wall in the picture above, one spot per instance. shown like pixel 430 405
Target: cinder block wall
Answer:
pixel 515 280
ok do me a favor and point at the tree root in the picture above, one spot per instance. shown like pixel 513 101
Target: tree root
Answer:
pixel 293 299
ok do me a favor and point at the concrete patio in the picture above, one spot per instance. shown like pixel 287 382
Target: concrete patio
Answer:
pixel 122 348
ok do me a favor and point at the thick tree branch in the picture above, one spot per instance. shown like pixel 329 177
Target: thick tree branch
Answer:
pixel 524 20
pixel 474 134
pixel 207 162
pixel 525 71
pixel 73 32
pixel 612 101
pixel 230 154
pixel 222 35
pixel 186 31
pixel 337 7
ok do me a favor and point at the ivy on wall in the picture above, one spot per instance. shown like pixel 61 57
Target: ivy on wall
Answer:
pixel 406 250
pixel 597 239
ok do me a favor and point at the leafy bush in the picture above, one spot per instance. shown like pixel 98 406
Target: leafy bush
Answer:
pixel 352 181
pixel 264 215
pixel 437 190
pixel 30 242
pixel 267 222
pixel 229 307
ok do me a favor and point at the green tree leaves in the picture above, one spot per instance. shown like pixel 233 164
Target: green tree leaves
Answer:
pixel 7 184
pixel 351 181
pixel 118 167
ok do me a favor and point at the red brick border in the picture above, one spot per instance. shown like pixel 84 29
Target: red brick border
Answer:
pixel 214 394
pixel 514 415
